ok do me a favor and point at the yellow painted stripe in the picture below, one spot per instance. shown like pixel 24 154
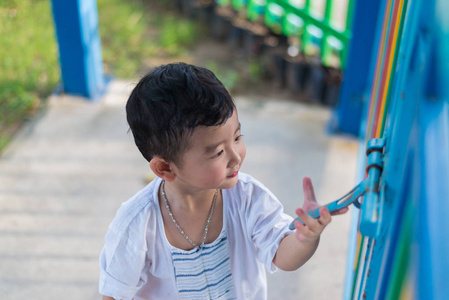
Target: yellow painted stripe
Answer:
pixel 374 87
pixel 390 67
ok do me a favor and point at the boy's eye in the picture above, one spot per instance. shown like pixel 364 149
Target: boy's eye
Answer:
pixel 238 138
pixel 218 154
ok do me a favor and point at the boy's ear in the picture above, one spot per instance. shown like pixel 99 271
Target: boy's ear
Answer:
pixel 161 168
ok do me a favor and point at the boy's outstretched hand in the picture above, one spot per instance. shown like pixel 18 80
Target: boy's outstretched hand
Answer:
pixel 311 229
pixel 295 249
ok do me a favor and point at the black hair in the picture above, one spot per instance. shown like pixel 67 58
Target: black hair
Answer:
pixel 169 103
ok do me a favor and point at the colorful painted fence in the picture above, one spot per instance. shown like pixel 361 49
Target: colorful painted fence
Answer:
pixel 400 244
pixel 315 28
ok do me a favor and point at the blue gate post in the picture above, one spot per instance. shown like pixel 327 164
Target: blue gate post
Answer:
pixel 347 115
pixel 80 58
pixel 433 266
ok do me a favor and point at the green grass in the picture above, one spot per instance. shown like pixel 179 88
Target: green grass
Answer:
pixel 131 31
pixel 28 60
pixel 123 28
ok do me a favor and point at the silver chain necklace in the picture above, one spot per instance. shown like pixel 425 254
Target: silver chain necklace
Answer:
pixel 177 225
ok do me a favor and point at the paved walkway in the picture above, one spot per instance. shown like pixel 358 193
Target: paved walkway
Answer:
pixel 64 176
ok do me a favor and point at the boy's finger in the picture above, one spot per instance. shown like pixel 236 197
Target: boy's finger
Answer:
pixel 325 216
pixel 311 223
pixel 309 193
pixel 303 232
pixel 305 217
pixel 299 211
pixel 340 211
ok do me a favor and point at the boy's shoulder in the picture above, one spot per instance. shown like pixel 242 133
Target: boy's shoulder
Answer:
pixel 245 178
pixel 249 185
pixel 137 209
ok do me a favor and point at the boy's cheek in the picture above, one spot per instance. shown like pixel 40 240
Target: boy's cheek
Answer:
pixel 243 154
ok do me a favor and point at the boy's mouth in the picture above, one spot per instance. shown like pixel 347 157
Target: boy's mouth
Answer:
pixel 233 175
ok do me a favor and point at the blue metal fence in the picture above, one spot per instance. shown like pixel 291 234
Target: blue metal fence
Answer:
pixel 406 256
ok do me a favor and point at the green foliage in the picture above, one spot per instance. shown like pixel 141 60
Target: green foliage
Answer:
pixel 28 49
pixel 255 70
pixel 133 31
pixel 15 102
pixel 28 59
pixel 177 34
pixel 228 76
pixel 124 36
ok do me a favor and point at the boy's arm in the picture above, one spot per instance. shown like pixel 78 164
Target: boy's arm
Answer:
pixel 296 249
pixel 107 298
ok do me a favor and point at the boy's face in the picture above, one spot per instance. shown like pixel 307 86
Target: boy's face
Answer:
pixel 214 157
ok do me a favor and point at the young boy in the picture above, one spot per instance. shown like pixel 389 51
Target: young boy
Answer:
pixel 201 229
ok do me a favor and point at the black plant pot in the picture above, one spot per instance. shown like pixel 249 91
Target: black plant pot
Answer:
pixel 332 87
pixel 252 43
pixel 315 84
pixel 297 75
pixel 235 37
pixel 221 27
pixel 280 70
pixel 204 11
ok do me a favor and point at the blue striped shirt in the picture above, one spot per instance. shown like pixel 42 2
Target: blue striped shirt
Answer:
pixel 204 273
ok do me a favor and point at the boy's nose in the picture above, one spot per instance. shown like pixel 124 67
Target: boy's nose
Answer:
pixel 236 157
pixel 235 160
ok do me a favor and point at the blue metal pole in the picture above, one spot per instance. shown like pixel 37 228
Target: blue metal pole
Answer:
pixel 76 23
pixel 347 116
pixel 433 266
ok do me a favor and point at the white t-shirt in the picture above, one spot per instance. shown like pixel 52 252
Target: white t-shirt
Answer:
pixel 137 263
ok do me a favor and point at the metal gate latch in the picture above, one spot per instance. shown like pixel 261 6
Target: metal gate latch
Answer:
pixel 369 188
